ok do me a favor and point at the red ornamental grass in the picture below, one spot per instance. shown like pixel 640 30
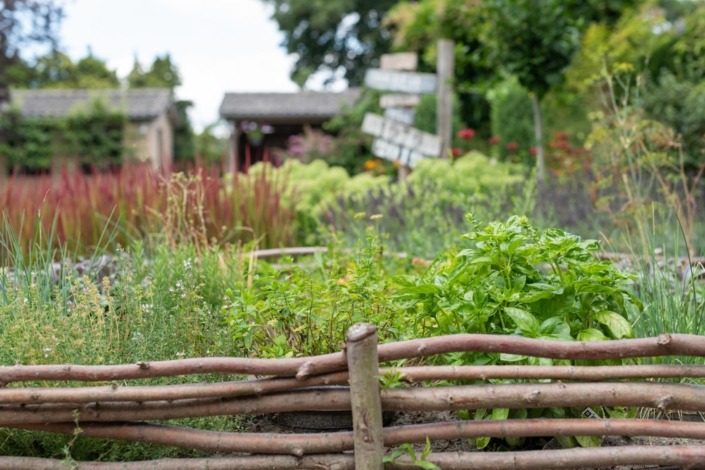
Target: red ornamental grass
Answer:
pixel 131 203
pixel 466 134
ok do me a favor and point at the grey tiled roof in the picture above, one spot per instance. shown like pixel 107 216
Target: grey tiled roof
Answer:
pixel 305 104
pixel 140 103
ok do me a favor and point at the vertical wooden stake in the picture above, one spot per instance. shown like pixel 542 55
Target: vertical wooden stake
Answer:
pixel 403 172
pixel 444 94
pixel 363 364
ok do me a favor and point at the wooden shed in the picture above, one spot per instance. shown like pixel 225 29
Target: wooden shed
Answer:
pixel 262 122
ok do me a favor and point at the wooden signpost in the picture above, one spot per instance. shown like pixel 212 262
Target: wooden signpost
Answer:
pixel 405 82
pixel 399 61
pixel 396 139
pixel 403 115
pixel 399 100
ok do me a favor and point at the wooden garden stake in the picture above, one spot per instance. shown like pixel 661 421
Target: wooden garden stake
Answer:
pixel 366 404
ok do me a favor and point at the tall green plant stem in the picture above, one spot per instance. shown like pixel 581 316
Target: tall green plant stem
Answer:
pixel 538 132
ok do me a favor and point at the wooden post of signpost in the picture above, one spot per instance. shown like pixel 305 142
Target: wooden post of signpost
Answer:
pixel 444 106
pixel 365 400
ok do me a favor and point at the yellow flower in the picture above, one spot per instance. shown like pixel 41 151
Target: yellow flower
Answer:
pixel 371 164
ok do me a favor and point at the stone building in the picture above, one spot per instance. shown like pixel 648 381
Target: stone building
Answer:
pixel 149 133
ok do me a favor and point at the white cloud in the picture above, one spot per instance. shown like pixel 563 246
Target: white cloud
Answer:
pixel 218 45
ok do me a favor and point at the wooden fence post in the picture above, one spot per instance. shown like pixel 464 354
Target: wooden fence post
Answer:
pixel 363 364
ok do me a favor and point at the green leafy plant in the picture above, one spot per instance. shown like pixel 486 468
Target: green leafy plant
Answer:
pixel 425 214
pixel 392 379
pixel 512 279
pixel 416 461
pixel 306 311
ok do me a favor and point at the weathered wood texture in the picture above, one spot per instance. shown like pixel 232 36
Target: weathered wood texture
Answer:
pixel 121 412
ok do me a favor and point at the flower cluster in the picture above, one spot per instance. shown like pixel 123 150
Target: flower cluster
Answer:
pixel 466 135
pixel 255 131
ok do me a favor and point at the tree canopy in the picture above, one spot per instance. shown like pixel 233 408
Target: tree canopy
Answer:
pixel 163 73
pixel 57 70
pixel 333 35
pixel 23 22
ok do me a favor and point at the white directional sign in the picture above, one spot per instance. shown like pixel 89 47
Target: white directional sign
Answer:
pixel 405 82
pixel 399 61
pixel 403 115
pixel 399 100
pixel 396 153
pixel 402 135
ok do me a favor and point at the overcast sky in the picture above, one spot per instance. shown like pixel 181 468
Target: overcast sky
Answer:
pixel 218 45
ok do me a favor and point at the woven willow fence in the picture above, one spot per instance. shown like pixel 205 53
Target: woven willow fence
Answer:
pixel 128 412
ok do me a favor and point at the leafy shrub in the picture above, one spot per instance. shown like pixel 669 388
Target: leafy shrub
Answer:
pixel 94 136
pixel 474 175
pixel 511 116
pixel 313 187
pixel 298 311
pixel 425 214
pixel 511 279
pixel 158 306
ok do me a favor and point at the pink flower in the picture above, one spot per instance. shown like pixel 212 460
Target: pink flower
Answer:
pixel 456 152
pixel 512 147
pixel 466 134
pixel 494 140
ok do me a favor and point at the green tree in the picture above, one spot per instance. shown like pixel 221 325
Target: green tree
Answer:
pixel 57 70
pixel 418 26
pixel 19 73
pixel 24 22
pixel 163 73
pixel 92 72
pixel 333 35
pixel 535 41
pixel 209 146
pixel 657 46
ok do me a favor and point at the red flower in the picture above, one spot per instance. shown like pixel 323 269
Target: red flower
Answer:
pixel 494 140
pixel 512 147
pixel 559 135
pixel 466 134
pixel 533 151
pixel 456 152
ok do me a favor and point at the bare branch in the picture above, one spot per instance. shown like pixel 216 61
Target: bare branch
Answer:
pixel 210 441
pixel 565 458
pixel 296 444
pixel 418 374
pixel 261 462
pixel 649 395
pixel 663 345
pixel 544 427
pixel 410 374
pixel 544 395
pixel 115 393
pixel 141 370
